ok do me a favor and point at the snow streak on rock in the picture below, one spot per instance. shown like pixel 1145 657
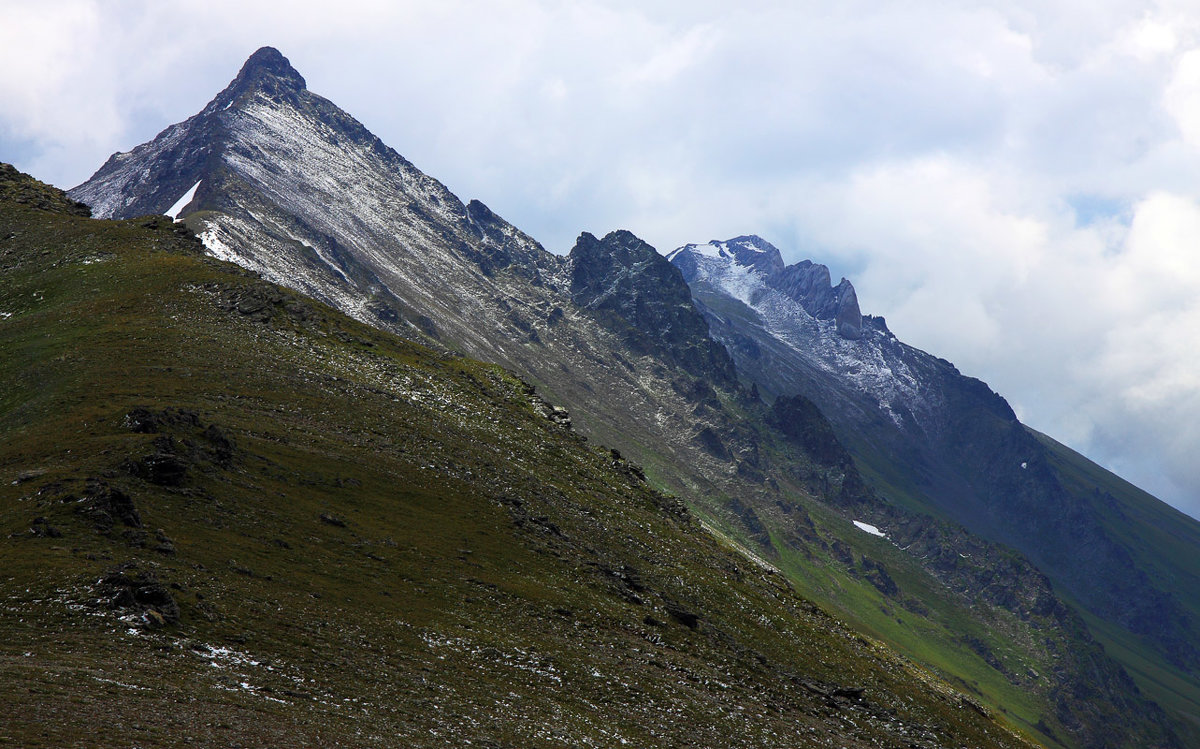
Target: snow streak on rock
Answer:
pixel 876 364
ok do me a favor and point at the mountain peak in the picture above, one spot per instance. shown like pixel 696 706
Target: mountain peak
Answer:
pixel 269 66
pixel 755 252
pixel 806 282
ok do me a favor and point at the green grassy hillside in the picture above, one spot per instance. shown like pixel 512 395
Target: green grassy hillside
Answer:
pixel 1162 538
pixel 231 516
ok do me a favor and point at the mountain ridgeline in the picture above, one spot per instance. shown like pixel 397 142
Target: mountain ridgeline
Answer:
pixel 233 516
pixel 880 483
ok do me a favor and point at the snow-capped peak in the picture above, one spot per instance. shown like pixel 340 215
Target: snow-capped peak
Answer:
pixel 750 251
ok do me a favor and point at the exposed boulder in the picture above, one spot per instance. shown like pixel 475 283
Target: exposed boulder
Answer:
pixel 106 506
pixel 140 593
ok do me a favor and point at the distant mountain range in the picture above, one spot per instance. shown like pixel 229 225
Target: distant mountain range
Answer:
pixel 880 482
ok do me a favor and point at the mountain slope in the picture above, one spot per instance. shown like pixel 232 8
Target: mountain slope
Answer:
pixel 293 188
pixel 610 332
pixel 232 515
pixel 931 438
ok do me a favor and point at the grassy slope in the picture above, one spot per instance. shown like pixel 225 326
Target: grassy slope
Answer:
pixel 1004 662
pixel 930 623
pixel 1164 538
pixel 934 635
pixel 399 550
pixel 981 649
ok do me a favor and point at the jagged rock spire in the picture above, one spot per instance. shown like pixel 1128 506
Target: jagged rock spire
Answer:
pixel 268 67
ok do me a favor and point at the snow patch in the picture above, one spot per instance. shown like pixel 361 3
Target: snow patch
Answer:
pixel 325 258
pixel 712 249
pixel 176 210
pixel 216 247
pixel 715 250
pixel 749 246
pixel 5 315
pixel 868 528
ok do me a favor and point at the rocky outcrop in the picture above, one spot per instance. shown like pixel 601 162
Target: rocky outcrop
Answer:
pixel 641 296
pixel 18 187
pixel 848 318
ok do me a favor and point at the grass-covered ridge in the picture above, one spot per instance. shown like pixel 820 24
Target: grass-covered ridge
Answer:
pixel 231 515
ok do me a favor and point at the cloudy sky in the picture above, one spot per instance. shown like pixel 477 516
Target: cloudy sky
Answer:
pixel 1015 185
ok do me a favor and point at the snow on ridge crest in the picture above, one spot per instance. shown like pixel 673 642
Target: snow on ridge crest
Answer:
pixel 797 306
pixel 713 249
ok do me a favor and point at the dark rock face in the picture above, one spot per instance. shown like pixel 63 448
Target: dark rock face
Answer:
pixel 640 295
pixel 501 248
pixel 165 467
pixel 802 422
pixel 41 528
pixel 183 441
pixel 269 67
pixel 711 442
pixel 809 284
pixel 106 506
pixel 877 575
pixel 848 317
pixel 18 187
pixel 132 590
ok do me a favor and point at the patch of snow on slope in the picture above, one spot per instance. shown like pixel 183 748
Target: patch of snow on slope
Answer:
pixel 717 266
pixel 216 247
pixel 868 528
pixel 712 249
pixel 176 211
pixel 327 260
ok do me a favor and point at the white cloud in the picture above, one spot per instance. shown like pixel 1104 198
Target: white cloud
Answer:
pixel 665 64
pixel 1182 96
pixel 1150 38
pixel 56 78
